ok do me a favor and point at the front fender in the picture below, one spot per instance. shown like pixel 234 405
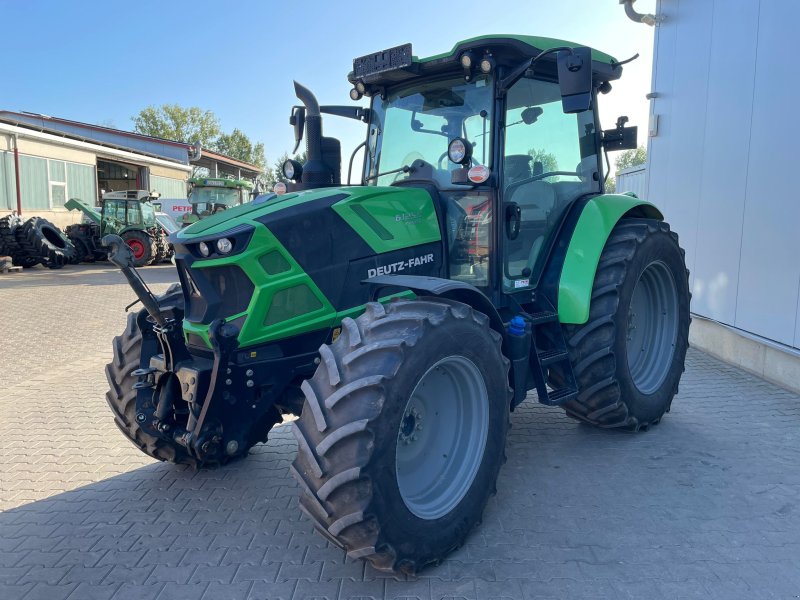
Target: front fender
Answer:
pixel 594 225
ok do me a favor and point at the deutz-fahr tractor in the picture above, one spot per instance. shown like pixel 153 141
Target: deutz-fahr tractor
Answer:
pixel 209 196
pixel 403 319
pixel 128 214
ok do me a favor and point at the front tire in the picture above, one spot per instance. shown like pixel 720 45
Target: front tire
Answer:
pixel 391 473
pixel 629 356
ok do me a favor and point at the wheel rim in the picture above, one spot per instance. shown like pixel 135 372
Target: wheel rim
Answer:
pixel 442 437
pixel 652 327
pixel 137 248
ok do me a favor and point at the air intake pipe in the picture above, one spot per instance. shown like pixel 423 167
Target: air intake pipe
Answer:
pixel 316 171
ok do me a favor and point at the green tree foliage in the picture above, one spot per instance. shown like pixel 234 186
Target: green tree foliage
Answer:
pixel 631 158
pixel 174 122
pixel 548 159
pixel 611 186
pixel 237 145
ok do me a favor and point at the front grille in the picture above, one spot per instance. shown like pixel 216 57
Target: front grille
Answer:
pixel 214 292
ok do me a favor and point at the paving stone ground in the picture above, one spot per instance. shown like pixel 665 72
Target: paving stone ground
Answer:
pixel 705 505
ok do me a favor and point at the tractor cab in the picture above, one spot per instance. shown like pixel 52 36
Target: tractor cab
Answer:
pixel 209 196
pixel 502 130
pixel 130 209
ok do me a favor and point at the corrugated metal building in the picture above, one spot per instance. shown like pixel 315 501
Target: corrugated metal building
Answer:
pixel 722 164
pixel 59 159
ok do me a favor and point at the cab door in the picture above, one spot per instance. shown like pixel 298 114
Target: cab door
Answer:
pixel 549 159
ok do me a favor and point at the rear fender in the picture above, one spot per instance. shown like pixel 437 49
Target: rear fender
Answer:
pixel 598 217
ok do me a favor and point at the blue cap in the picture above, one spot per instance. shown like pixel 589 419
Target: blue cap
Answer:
pixel 516 326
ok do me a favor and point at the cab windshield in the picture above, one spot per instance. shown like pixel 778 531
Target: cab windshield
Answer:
pixel 418 121
pixel 215 195
pixel 148 214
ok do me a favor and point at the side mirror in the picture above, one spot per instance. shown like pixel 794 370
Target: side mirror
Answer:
pixel 620 138
pixel 513 220
pixel 575 79
pixel 298 121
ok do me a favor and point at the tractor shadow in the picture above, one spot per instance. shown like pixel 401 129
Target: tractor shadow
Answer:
pixel 576 507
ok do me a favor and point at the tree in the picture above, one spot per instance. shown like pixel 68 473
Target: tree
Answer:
pixel 174 122
pixel 631 158
pixel 237 145
pixel 548 159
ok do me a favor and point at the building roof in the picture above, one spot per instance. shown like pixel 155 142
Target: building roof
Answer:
pixel 170 150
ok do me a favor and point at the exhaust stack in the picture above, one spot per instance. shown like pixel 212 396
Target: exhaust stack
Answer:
pixel 323 155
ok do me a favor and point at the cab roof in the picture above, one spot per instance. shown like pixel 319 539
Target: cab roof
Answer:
pixel 507 50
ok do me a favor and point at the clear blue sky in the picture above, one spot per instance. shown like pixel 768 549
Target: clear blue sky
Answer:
pixel 102 62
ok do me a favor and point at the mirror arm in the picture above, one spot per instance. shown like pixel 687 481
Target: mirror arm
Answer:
pixel 505 84
pixel 358 113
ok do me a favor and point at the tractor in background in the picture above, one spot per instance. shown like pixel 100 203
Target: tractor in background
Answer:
pixel 128 214
pixel 208 196
pixel 478 263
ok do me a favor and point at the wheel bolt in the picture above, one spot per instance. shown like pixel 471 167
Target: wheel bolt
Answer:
pixel 141 417
pixel 249 372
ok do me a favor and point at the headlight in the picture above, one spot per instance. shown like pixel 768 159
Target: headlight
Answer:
pixel 459 151
pixel 204 249
pixel 292 169
pixel 486 64
pixel 224 245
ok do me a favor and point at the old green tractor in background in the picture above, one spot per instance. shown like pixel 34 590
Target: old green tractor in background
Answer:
pixel 129 214
pixel 404 318
pixel 209 196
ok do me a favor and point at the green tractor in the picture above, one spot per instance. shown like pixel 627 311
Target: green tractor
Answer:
pixel 404 318
pixel 130 215
pixel 209 196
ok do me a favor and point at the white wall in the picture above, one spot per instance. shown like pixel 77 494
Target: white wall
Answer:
pixel 724 164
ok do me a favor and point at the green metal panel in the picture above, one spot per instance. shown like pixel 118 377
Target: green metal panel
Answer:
pixel 168 187
pixel 598 218
pixel 33 182
pixel 8 184
pixel 390 218
pixel 81 183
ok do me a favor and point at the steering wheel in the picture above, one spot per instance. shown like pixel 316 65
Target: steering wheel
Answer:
pixel 408 160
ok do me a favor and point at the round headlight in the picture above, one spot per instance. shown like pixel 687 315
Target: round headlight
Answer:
pixel 204 249
pixel 486 64
pixel 355 95
pixel 292 169
pixel 224 245
pixel 279 188
pixel 466 60
pixel 459 151
pixel 360 87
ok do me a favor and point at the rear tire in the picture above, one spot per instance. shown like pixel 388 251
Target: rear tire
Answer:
pixel 143 247
pixel 43 241
pixel 629 356
pixel 356 460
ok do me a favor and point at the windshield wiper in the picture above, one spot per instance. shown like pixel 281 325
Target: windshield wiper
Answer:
pixel 403 169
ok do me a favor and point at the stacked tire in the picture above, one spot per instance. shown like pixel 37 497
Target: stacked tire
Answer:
pixel 9 226
pixel 42 241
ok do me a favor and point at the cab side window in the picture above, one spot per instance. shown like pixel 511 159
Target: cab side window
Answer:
pixel 549 160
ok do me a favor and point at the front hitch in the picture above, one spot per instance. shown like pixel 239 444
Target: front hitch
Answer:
pixel 121 255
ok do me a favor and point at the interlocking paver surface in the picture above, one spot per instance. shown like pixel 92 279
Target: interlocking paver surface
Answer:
pixel 705 505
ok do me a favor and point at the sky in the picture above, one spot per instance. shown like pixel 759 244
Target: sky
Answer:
pixel 102 62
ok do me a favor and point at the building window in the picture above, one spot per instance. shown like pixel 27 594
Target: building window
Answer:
pixel 57 173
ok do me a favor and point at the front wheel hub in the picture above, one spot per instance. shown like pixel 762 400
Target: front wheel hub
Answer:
pixel 442 437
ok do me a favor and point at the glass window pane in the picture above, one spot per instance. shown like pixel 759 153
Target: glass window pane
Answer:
pixel 57 171
pixel 58 193
pixel 549 160
pixel 469 224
